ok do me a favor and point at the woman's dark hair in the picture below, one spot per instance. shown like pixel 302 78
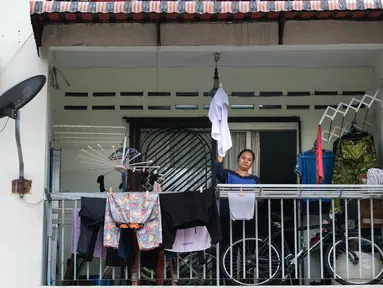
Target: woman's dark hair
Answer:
pixel 244 151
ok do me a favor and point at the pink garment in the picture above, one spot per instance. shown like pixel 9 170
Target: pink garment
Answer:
pixel 157 187
pixel 99 245
pixel 191 239
pixel 319 158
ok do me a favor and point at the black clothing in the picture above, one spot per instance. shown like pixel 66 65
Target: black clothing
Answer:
pixel 100 180
pixel 133 182
pixel 124 255
pixel 92 215
pixel 186 210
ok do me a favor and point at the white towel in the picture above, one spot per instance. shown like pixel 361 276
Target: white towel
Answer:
pixel 218 116
pixel 241 206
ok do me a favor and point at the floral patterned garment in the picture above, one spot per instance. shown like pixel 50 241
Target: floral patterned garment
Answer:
pixel 133 209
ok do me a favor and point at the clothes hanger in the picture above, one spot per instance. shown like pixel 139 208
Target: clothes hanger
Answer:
pixel 314 148
pixel 355 132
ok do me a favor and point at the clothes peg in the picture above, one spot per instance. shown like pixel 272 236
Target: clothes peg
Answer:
pixel 134 169
pixel 110 190
pixel 143 170
pixel 200 189
pixel 240 193
pixel 147 193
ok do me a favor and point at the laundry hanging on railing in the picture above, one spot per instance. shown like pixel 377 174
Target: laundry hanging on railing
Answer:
pixel 99 250
pixel 92 220
pixel 192 209
pixel 241 206
pixel 191 240
pixel 192 225
pixel 136 211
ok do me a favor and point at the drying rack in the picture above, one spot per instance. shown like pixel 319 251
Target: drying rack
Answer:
pixel 303 191
pixel 355 105
pixel 81 136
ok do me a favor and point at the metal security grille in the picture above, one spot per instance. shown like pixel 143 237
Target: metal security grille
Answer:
pixel 183 154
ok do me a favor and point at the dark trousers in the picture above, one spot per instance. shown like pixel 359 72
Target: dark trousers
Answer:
pixel 92 216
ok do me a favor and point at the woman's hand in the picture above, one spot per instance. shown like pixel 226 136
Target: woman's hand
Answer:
pixel 219 158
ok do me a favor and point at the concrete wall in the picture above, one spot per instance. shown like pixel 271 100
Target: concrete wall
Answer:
pixel 204 34
pixel 15 29
pixel 22 243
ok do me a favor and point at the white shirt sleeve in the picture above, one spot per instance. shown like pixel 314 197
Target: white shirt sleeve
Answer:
pixel 218 116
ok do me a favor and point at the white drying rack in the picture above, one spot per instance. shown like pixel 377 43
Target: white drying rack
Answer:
pixel 81 136
pixel 97 144
pixel 305 191
pixel 354 105
pixel 267 191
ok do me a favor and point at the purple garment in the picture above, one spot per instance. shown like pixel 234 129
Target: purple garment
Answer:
pixel 191 240
pixel 99 242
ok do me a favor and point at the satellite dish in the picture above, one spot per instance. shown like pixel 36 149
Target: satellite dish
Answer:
pixel 10 104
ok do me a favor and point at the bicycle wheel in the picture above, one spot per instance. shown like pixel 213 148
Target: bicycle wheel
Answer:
pixel 361 272
pixel 245 272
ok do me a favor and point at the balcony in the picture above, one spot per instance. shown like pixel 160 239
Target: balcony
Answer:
pixel 300 237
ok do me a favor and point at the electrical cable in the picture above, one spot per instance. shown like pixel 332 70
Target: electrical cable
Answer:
pixel 5 126
pixel 33 204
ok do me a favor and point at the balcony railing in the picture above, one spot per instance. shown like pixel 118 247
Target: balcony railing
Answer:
pixel 300 235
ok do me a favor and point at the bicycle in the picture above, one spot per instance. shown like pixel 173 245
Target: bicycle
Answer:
pixel 264 267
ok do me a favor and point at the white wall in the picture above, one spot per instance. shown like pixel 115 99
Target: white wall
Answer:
pixel 200 80
pixel 76 176
pixel 15 29
pixel 21 246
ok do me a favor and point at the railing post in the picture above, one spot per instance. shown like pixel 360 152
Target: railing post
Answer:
pixel 49 239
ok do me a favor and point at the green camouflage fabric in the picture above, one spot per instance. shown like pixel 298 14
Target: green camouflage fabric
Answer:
pixel 353 158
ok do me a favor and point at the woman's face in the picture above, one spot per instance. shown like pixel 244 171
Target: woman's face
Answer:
pixel 245 161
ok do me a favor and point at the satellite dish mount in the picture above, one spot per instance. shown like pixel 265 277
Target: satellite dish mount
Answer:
pixel 10 104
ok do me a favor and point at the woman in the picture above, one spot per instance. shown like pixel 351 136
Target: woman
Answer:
pixel 241 175
pixel 245 160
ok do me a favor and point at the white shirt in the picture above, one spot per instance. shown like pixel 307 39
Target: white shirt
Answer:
pixel 218 116
pixel 241 206
pixel 191 239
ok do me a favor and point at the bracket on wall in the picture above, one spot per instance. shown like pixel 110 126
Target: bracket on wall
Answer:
pixel 281 27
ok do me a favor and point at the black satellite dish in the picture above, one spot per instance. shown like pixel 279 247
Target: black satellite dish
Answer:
pixel 10 104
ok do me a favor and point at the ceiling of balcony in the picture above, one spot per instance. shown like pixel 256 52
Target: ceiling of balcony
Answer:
pixel 274 56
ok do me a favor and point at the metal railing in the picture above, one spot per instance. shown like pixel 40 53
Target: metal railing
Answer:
pixel 299 235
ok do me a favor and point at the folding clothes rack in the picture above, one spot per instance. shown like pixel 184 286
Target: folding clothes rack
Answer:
pixel 354 105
